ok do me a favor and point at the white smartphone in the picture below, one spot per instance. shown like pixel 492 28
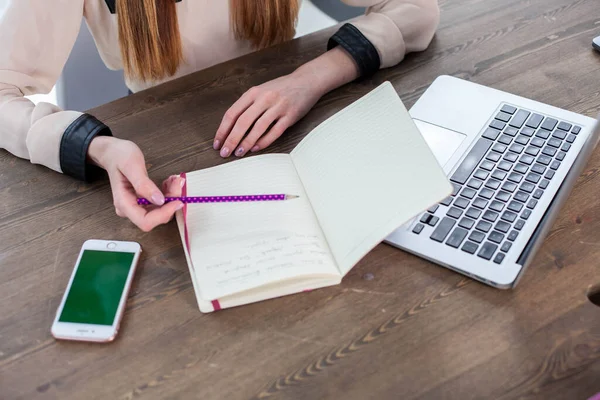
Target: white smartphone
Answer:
pixel 93 304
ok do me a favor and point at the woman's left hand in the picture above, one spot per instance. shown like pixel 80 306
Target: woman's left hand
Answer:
pixel 264 112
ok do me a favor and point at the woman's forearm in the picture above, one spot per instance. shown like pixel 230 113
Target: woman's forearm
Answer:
pixel 329 71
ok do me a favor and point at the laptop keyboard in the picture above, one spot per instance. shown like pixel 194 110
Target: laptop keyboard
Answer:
pixel 499 183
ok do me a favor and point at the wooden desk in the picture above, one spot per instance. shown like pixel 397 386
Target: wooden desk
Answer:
pixel 397 327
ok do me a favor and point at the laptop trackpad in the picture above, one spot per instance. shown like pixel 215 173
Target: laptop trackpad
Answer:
pixel 443 142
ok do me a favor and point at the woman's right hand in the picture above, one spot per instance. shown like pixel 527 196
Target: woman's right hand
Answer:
pixel 126 167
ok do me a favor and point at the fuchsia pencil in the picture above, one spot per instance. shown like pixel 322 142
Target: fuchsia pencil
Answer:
pixel 224 199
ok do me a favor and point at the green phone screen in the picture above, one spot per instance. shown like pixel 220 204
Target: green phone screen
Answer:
pixel 97 287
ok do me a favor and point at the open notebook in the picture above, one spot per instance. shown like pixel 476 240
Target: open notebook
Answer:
pixel 359 175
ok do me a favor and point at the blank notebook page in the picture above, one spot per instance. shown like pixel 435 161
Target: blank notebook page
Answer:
pixel 367 170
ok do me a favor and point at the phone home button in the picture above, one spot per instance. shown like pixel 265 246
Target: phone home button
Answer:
pixel 111 245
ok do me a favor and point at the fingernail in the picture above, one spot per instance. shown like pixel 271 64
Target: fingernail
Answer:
pixel 240 151
pixel 254 149
pixel 179 207
pixel 158 198
pixel 182 183
pixel 216 145
pixel 224 152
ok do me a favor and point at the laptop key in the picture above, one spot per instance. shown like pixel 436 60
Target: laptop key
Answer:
pixel 502 226
pixel 509 216
pixel 433 209
pixel 543 159
pixel 538 169
pixel 518 226
pixel 473 213
pixel 561 155
pixel 491 133
pixel 549 175
pixel 511 157
pixel 508 109
pixel 555 164
pixel 447 201
pixel 527 187
pixel 534 121
pixel 481 174
pixel 418 228
pixel 517 148
pixel 503 196
pixel 487 251
pixel 474 184
pixel 554 142
pixel 506 247
pixel 533 177
pixel 477 236
pixel 576 130
pixel 499 258
pixel 514 177
pixel 526 159
pixel 571 138
pixel 496 237
pixel 461 202
pixel 532 151
pixel 425 218
pixel 492 184
pixel 566 147
pixel 519 119
pixel 471 161
pixel 469 247
pixel 443 229
pixel 549 151
pixel 486 193
pixel 490 216
pixel 466 223
pixel 498 174
pixel 480 203
pixel 504 117
pixel 532 203
pixel 487 165
pixel 513 235
pixel 544 183
pixel 497 124
pixel 510 131
pixel 543 134
pixel 538 194
pixel 499 148
pixel 454 212
pixel 559 134
pixel 496 206
pixel 537 142
pixel 505 166
pixel 527 131
pixel 522 139
pixel 468 193
pixel 493 156
pixel 483 226
pixel 526 214
pixel 549 124
pixel 457 237
pixel 509 187
pixel 433 221
pixel 505 139
pixel 563 125
pixel 515 206
pixel 521 196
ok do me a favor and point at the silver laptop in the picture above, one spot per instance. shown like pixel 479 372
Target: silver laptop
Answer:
pixel 512 162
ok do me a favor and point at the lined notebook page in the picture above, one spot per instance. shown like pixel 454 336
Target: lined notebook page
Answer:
pixel 367 170
pixel 240 246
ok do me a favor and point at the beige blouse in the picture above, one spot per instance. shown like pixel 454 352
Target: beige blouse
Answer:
pixel 37 37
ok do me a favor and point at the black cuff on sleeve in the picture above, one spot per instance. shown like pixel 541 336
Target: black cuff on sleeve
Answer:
pixel 359 48
pixel 74 146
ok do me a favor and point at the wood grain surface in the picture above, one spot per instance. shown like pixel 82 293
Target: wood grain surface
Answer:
pixel 398 327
